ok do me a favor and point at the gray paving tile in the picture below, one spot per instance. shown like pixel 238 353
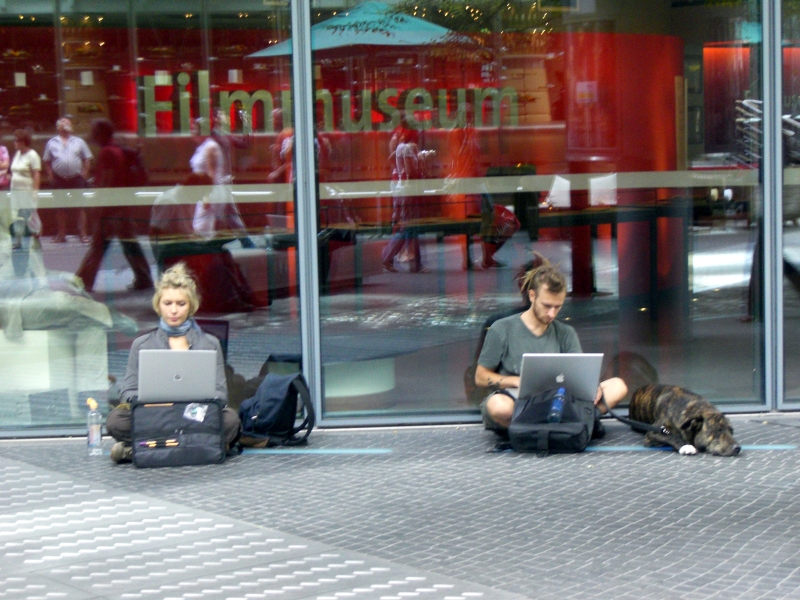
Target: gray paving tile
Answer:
pixel 635 523
pixel 77 540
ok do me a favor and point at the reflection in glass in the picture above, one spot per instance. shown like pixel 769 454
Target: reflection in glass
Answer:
pixel 791 199
pixel 621 143
pixel 172 90
pixel 612 159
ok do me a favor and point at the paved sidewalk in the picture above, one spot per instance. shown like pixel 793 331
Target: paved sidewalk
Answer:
pixel 392 514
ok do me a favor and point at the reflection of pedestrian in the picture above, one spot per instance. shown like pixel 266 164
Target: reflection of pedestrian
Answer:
pixel 111 222
pixel 26 226
pixel 207 159
pixel 174 218
pixel 497 224
pixel 216 211
pixel 282 157
pixel 26 177
pixel 220 134
pixel 172 212
pixel 408 165
pixel 283 153
pixel 67 159
pixel 5 162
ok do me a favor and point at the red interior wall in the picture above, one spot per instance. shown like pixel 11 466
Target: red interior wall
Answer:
pixel 726 78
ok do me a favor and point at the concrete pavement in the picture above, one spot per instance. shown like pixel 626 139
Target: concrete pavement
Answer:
pixel 397 513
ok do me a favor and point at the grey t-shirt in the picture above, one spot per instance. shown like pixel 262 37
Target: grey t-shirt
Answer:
pixel 508 339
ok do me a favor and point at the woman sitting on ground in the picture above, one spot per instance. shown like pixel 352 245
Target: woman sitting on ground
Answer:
pixel 176 301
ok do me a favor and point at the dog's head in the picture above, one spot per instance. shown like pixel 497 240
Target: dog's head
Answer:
pixel 711 433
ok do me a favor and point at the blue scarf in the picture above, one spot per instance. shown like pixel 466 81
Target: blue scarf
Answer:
pixel 181 330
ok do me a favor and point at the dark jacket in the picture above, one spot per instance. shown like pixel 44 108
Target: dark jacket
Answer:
pixel 158 340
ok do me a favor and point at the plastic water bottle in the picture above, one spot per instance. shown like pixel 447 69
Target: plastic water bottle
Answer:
pixel 557 407
pixel 94 423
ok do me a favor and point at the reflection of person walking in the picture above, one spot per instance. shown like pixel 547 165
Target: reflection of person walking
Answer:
pixel 111 221
pixel 25 224
pixel 26 171
pixel 5 162
pixel 408 165
pixel 67 159
pixel 211 162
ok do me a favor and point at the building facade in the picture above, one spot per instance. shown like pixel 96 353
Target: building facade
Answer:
pixel 357 187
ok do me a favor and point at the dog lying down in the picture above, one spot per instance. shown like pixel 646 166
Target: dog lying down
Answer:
pixel 689 423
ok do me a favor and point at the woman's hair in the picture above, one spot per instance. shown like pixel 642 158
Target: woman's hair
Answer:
pixel 178 277
pixel 541 273
pixel 24 136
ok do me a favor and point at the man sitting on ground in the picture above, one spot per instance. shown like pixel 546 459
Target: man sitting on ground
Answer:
pixel 533 331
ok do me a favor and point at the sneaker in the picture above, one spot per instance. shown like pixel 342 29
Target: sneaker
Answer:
pixel 121 452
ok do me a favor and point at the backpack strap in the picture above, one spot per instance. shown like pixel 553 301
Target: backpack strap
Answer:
pixel 542 443
pixel 299 383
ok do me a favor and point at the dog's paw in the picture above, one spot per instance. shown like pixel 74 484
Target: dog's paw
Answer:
pixel 687 449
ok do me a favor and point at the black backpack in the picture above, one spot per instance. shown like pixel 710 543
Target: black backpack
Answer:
pixel 530 432
pixel 269 418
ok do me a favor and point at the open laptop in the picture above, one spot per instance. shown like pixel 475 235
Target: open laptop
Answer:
pixel 577 373
pixel 171 375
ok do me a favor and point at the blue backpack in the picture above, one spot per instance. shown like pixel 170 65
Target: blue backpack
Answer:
pixel 270 417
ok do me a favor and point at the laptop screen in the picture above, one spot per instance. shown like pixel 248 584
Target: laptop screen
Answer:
pixel 577 373
pixel 172 375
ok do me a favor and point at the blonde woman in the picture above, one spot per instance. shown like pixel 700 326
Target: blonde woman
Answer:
pixel 175 301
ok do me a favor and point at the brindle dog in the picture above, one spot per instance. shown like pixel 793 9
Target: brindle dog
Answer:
pixel 689 423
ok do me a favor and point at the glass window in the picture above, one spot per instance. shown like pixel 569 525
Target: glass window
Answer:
pixel 457 143
pixel 791 199
pixel 169 155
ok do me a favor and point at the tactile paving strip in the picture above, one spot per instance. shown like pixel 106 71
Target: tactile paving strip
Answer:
pixel 61 538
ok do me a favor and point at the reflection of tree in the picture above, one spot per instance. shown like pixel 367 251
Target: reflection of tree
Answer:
pixel 384 24
pixel 476 20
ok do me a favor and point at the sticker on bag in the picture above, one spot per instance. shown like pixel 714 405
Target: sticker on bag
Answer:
pixel 195 412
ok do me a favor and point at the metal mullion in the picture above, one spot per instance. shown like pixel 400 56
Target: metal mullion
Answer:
pixel 772 170
pixel 306 197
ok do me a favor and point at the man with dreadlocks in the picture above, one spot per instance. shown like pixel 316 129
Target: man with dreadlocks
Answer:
pixel 533 331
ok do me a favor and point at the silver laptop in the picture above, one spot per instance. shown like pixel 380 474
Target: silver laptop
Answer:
pixel 170 375
pixel 577 373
